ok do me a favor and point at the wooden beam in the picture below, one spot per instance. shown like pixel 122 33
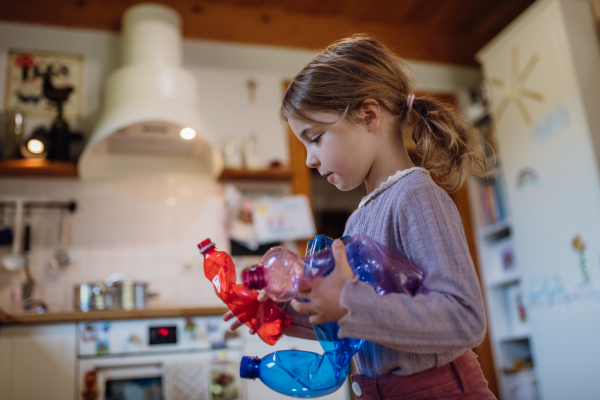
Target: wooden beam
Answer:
pixel 484 350
pixel 263 23
pixel 301 178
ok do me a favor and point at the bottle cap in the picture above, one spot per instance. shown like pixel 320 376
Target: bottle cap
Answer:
pixel 205 245
pixel 249 367
pixel 254 277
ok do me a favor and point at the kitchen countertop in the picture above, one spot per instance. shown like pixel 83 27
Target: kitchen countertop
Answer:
pixel 74 316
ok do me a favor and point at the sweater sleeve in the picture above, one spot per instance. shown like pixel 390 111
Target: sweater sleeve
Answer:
pixel 450 315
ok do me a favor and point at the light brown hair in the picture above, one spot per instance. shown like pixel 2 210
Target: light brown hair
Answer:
pixel 357 68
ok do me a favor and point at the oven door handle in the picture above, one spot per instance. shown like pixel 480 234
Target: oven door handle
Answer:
pixel 128 366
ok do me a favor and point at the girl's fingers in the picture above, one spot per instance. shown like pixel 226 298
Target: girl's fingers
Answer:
pixel 263 296
pixel 316 319
pixel 339 252
pixel 235 325
pixel 342 268
pixel 303 308
pixel 227 316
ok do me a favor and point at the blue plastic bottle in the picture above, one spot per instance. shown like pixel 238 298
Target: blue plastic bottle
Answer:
pixel 306 374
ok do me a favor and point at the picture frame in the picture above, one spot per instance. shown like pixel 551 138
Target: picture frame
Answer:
pixel 34 77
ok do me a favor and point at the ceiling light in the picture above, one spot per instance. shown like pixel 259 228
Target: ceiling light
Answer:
pixel 187 133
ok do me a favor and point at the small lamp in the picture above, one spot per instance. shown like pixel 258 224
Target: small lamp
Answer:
pixel 36 146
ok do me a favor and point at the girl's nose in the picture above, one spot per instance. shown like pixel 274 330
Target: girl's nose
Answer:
pixel 311 160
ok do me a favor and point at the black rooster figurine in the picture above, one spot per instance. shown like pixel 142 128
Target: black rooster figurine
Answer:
pixel 60 137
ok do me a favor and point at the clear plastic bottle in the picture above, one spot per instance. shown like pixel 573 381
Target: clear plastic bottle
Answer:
pixel 265 318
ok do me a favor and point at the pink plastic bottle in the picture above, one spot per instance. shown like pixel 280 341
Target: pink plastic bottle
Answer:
pixel 265 318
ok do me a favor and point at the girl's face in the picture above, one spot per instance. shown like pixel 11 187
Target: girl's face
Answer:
pixel 343 152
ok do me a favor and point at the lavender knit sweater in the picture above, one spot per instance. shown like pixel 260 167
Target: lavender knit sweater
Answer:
pixel 405 335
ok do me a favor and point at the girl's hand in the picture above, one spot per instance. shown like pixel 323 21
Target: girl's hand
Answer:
pixel 324 293
pixel 262 297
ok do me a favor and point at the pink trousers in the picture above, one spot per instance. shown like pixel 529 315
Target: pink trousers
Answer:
pixel 461 379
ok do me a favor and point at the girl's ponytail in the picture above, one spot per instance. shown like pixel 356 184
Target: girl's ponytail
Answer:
pixel 446 144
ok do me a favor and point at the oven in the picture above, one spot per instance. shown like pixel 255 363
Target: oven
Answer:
pixel 159 359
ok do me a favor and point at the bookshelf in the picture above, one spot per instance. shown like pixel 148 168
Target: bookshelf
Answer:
pixel 509 330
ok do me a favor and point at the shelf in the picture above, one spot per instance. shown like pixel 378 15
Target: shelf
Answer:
pixel 509 278
pixel 271 174
pixel 37 167
pixel 514 337
pixel 490 231
pixel 25 317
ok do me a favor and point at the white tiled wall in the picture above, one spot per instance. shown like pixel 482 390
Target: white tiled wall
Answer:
pixel 127 226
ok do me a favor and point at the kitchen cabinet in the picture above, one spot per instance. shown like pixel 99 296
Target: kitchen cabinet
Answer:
pixel 543 72
pixel 37 362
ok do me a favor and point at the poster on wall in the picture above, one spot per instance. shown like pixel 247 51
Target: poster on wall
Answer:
pixel 283 218
pixel 37 80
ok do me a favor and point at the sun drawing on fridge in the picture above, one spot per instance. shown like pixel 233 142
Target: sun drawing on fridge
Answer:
pixel 514 88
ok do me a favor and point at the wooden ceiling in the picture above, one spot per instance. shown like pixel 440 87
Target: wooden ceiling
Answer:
pixel 449 31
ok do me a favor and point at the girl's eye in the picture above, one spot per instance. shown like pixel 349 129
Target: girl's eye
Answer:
pixel 316 139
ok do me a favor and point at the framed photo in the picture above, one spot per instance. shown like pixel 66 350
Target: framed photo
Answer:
pixel 36 80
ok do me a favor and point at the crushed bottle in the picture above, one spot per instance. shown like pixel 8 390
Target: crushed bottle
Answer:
pixel 265 318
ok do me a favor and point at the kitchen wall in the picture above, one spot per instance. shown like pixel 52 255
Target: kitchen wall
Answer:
pixel 149 228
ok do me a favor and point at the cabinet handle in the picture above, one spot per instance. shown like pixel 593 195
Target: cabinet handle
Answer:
pixel 124 366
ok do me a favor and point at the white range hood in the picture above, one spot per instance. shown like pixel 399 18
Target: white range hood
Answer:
pixel 150 122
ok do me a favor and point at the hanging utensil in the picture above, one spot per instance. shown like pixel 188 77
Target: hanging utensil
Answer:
pixel 62 258
pixel 29 283
pixel 6 236
pixel 15 261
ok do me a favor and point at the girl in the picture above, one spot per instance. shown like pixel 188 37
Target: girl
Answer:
pixel 348 106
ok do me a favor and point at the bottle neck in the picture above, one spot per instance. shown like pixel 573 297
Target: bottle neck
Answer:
pixel 250 367
pixel 254 278
pixel 206 247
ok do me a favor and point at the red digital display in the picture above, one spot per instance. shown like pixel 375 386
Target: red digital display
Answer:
pixel 162 335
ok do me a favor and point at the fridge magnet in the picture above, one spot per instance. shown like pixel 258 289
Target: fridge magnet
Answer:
pixel 516 312
pixel 553 123
pixel 508 258
pixel 579 246
pixel 515 89
pixel 527 176
pixel 36 81
pixel 190 328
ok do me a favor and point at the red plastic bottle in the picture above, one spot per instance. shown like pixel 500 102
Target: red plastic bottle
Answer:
pixel 265 318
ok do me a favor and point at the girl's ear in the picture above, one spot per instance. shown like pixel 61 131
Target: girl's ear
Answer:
pixel 370 113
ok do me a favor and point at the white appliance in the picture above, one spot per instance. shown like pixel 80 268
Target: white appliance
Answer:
pixel 150 122
pixel 543 69
pixel 170 359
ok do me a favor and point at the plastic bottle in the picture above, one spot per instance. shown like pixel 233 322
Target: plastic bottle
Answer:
pixel 265 318
pixel 282 270
pixel 296 373
pixel 305 374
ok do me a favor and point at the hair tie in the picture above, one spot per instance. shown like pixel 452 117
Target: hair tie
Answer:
pixel 409 101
